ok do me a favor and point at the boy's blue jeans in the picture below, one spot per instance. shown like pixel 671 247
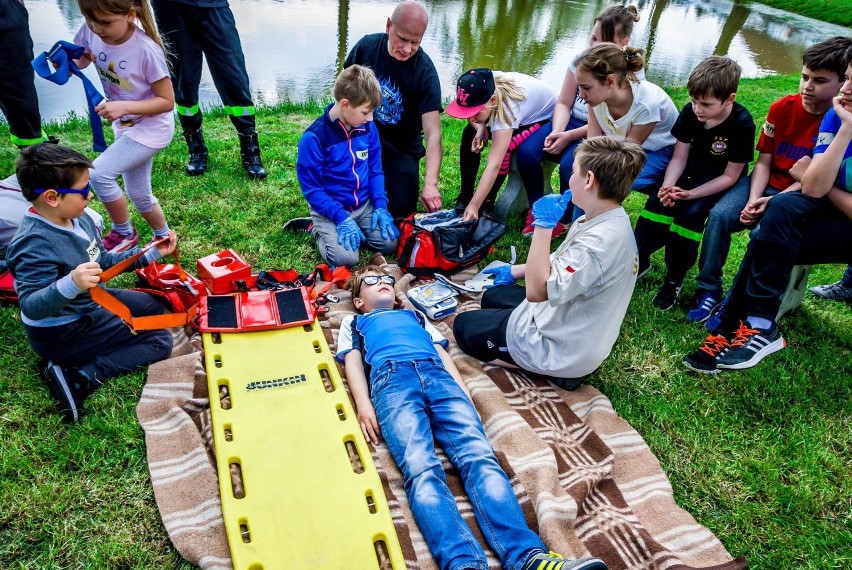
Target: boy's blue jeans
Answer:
pixel 723 221
pixel 417 402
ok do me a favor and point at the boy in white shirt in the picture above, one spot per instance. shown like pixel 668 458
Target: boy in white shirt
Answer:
pixel 564 323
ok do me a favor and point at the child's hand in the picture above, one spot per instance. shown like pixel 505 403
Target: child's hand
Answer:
pixel 383 220
pixel 679 194
pixel 479 140
pixel 548 210
pixel 470 213
pixel 753 211
pixel 369 423
pixel 843 108
pixel 112 110
pixel 502 275
pixel 555 143
pixel 168 247
pixel 349 235
pixel 87 275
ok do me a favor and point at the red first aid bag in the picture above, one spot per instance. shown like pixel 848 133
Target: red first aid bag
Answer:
pixel 441 242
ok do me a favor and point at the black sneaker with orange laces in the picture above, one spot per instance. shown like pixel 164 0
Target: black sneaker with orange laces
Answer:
pixel 705 357
pixel 749 346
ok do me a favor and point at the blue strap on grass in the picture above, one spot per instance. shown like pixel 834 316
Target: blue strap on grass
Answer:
pixel 62 54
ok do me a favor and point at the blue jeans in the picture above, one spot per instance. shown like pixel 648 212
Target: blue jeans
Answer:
pixel 723 221
pixel 417 403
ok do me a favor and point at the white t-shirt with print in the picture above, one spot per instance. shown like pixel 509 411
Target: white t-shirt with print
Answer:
pixel 127 72
pixel 592 275
pixel 538 105
pixel 650 105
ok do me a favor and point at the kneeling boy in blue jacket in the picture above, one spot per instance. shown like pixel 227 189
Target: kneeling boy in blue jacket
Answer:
pixel 340 170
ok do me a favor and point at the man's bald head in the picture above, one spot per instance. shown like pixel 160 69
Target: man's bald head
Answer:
pixel 405 29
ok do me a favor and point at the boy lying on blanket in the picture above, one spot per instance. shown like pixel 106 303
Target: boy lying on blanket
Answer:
pixel 413 395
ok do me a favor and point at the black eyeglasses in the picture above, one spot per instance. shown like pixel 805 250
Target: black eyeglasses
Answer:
pixel 373 279
pixel 81 191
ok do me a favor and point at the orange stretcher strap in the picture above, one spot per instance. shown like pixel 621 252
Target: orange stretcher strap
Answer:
pixel 167 320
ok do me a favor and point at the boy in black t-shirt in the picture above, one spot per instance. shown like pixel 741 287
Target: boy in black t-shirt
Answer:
pixel 715 141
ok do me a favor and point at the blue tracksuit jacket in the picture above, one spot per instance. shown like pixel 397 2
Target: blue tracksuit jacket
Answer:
pixel 340 170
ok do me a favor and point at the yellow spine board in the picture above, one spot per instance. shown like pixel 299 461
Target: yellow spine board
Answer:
pixel 287 448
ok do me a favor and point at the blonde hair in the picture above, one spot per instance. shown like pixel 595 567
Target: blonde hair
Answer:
pixel 92 9
pixel 616 163
pixel 605 59
pixel 358 85
pixel 506 91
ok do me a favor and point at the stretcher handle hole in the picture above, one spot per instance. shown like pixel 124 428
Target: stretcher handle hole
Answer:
pixel 217 360
pixel 371 503
pixel 244 531
pixel 224 395
pixel 341 413
pixel 308 328
pixel 317 347
pixel 237 487
pixel 216 338
pixel 229 433
pixel 382 554
pixel 354 456
pixel 327 382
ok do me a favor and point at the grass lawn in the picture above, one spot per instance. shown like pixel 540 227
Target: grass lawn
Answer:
pixel 834 11
pixel 761 457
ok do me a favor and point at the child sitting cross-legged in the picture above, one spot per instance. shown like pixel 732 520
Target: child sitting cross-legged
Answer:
pixel 413 396
pixel 340 171
pixel 56 257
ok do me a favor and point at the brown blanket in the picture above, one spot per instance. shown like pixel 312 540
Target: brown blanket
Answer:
pixel 585 479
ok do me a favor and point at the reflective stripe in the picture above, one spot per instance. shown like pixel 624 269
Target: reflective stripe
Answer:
pixel 187 111
pixel 26 142
pixel 688 234
pixel 659 218
pixel 235 111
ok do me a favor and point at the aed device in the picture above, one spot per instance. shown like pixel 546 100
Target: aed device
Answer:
pixel 434 299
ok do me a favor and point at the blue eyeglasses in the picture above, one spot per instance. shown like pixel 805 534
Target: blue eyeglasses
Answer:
pixel 81 191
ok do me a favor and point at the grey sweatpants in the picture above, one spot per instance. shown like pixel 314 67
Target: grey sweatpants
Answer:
pixel 132 161
pixel 325 234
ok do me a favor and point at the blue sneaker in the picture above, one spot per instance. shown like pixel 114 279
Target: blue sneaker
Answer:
pixel 713 322
pixel 704 304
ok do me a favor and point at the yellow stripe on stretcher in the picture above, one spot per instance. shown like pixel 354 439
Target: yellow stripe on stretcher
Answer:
pixel 292 496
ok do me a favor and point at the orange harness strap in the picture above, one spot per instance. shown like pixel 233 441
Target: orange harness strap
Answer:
pixel 167 320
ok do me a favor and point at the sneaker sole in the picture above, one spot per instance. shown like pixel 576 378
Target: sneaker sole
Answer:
pixel 770 348
pixel 590 564
pixel 689 365
pixel 63 397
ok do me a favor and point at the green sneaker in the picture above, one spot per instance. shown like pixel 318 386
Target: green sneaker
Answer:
pixel 553 561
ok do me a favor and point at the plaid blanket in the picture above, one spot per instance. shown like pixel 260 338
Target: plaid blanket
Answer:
pixel 585 479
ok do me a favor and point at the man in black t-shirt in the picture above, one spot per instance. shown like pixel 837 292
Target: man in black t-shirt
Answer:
pixel 411 107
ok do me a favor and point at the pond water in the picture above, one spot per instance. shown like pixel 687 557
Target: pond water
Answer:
pixel 294 48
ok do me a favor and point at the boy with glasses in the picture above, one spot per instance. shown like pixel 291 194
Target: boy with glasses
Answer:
pixel 56 257
pixel 412 396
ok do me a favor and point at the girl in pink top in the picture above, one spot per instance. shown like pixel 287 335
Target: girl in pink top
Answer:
pixel 132 67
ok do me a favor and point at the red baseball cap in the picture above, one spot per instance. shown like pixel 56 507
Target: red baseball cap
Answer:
pixel 473 90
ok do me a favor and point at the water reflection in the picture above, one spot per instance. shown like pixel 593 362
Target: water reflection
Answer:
pixel 294 48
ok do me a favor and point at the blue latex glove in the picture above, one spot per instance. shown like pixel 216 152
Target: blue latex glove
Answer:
pixel 548 210
pixel 349 235
pixel 384 221
pixel 502 275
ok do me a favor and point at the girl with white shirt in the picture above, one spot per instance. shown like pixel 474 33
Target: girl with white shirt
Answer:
pixel 507 108
pixel 621 105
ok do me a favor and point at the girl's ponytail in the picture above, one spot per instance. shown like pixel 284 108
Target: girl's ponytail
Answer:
pixel 506 91
pixel 145 15
pixel 605 59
